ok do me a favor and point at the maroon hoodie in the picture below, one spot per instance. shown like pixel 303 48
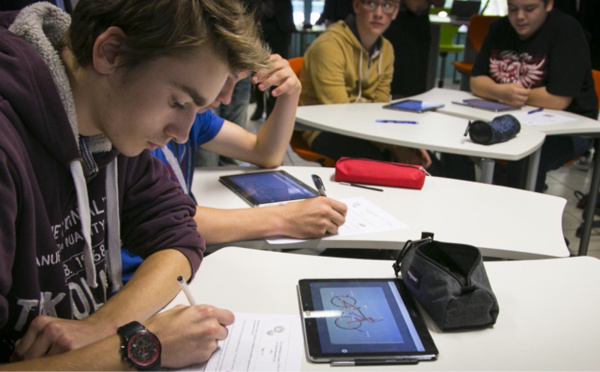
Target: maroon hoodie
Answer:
pixel 43 268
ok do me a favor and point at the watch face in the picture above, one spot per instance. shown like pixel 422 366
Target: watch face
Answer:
pixel 143 349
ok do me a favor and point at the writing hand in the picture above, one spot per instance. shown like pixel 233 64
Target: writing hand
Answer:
pixel 189 334
pixel 313 218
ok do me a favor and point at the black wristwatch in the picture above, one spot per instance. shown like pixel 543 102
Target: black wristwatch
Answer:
pixel 140 347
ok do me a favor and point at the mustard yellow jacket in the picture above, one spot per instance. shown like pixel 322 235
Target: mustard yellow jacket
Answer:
pixel 337 69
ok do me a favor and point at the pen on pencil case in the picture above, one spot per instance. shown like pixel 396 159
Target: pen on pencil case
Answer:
pixel 396 121
pixel 536 110
pixel 319 184
pixel 361 186
pixel 467 130
pixel 186 290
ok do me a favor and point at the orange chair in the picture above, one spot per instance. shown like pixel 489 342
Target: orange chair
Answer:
pixel 478 28
pixel 301 148
pixel 296 64
pixel 298 144
pixel 596 76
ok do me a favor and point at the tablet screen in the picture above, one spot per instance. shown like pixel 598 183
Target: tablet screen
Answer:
pixel 487 105
pixel 413 105
pixel 361 320
pixel 267 187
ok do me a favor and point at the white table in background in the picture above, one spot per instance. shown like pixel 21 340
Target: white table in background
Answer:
pixel 582 126
pixel 501 221
pixel 548 308
pixel 434 131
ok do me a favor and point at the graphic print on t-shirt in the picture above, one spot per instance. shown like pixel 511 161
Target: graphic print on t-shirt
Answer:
pixel 511 67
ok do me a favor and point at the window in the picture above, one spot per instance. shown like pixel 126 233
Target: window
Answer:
pixel 315 8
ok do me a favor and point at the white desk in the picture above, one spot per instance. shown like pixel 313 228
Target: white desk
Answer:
pixel 501 221
pixel 548 308
pixel 435 132
pixel 582 126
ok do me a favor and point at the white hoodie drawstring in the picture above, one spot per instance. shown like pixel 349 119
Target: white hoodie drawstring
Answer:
pixel 176 168
pixel 83 205
pixel 360 72
pixel 115 265
pixel 113 224
pixel 359 77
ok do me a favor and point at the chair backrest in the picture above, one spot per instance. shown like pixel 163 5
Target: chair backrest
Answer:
pixel 447 34
pixel 296 64
pixel 298 144
pixel 478 28
pixel 596 76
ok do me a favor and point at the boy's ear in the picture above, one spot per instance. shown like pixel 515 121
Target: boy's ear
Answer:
pixel 396 12
pixel 107 48
pixel 355 6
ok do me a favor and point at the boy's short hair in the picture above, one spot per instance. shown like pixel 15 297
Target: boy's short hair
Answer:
pixel 159 28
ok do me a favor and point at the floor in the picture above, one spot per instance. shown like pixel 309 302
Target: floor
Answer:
pixel 562 182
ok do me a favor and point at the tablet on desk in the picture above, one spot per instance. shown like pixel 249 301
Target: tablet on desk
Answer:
pixel 414 105
pixel 486 105
pixel 362 322
pixel 268 187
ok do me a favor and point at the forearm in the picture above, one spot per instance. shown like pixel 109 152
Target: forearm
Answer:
pixel 265 149
pixel 152 286
pixel 103 355
pixel 274 137
pixel 483 86
pixel 541 98
pixel 219 226
pixel 304 219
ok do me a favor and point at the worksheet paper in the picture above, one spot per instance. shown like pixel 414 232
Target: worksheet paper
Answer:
pixel 258 342
pixel 363 217
pixel 541 118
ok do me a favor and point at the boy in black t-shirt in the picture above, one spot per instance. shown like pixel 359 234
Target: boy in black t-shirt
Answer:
pixel 538 56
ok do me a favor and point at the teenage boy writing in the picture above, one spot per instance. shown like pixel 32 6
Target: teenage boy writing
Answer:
pixel 310 218
pixel 80 103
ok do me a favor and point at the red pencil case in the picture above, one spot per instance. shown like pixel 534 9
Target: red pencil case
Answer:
pixel 382 173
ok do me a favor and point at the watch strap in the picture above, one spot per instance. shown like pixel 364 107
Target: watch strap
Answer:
pixel 130 329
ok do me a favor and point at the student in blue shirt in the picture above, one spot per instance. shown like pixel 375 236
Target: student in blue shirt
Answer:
pixel 310 218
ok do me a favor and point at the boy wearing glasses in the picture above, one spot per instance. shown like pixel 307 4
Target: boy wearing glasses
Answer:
pixel 353 63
